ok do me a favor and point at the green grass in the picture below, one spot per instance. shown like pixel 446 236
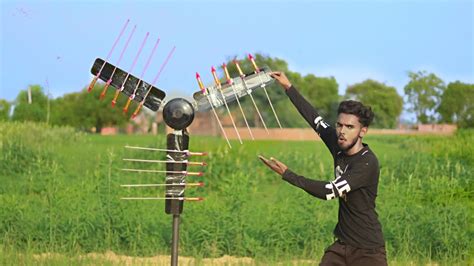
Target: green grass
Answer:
pixel 60 193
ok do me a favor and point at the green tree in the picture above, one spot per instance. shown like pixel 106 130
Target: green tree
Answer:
pixel 84 110
pixel 457 104
pixel 386 103
pixel 4 110
pixel 423 92
pixel 36 110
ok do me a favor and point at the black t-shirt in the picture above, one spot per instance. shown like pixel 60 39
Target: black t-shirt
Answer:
pixel 355 183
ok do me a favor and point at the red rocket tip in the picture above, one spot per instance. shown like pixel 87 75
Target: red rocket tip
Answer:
pixel 200 198
pixel 213 69
pixel 200 184
pixel 204 164
pixel 200 174
pixel 102 95
pixel 197 75
pixel 224 65
pixel 113 103
pixel 133 116
pixel 250 57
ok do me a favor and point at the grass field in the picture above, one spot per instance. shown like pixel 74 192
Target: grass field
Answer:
pixel 60 194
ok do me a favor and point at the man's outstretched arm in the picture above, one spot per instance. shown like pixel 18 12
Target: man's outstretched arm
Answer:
pixel 363 173
pixel 308 112
pixel 319 189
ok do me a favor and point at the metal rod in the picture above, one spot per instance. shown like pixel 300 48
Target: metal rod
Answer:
pixel 166 150
pixel 249 92
pixel 270 102
pixel 91 85
pixel 205 93
pixel 218 121
pixel 162 171
pixel 256 108
pixel 132 96
pixel 175 241
pixel 231 118
pixel 153 149
pixel 163 65
pixel 163 198
pixel 104 91
pixel 199 184
pixel 219 88
pixel 160 161
pixel 114 101
pixel 229 81
pixel 153 83
pixel 264 88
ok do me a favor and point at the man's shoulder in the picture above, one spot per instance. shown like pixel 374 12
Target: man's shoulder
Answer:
pixel 368 155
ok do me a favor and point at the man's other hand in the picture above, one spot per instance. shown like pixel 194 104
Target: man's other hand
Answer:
pixel 274 164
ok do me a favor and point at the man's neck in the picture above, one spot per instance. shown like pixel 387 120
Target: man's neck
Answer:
pixel 355 149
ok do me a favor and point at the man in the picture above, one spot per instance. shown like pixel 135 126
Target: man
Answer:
pixel 359 239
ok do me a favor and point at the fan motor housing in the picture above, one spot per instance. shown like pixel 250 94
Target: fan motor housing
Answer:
pixel 178 113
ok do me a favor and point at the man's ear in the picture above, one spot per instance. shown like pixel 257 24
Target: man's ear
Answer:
pixel 363 131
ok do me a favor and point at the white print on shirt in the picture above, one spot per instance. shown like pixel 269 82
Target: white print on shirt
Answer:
pixel 331 195
pixel 341 186
pixel 318 121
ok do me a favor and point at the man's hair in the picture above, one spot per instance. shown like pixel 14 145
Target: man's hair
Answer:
pixel 364 113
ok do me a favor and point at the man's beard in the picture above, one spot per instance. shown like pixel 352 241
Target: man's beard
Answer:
pixel 350 146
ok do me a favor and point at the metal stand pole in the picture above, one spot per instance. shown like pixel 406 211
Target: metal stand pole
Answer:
pixel 178 114
pixel 175 241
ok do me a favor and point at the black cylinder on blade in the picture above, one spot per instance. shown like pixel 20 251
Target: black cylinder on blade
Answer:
pixel 178 113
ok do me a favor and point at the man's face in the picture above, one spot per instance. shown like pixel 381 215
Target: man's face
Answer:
pixel 349 130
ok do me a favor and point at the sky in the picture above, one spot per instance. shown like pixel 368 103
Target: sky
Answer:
pixel 54 43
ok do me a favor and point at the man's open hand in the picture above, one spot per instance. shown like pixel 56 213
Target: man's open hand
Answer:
pixel 281 78
pixel 274 164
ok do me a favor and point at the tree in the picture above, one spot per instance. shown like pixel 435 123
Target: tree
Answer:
pixel 423 93
pixel 4 110
pixel 457 104
pixel 385 101
pixel 36 110
pixel 84 110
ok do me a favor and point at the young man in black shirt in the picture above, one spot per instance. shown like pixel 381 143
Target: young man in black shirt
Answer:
pixel 358 231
